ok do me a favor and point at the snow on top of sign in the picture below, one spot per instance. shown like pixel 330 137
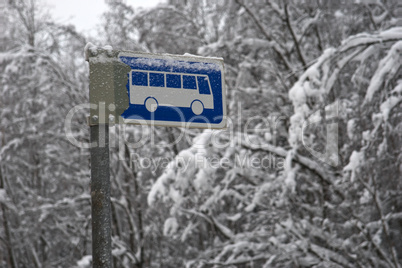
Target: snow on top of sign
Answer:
pixel 92 49
pixel 107 47
pixel 198 56
pixel 89 47
pixel 173 63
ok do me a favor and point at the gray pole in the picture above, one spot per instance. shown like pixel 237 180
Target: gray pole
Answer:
pixel 100 197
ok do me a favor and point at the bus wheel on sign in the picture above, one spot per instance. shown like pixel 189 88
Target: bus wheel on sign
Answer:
pixel 151 104
pixel 197 107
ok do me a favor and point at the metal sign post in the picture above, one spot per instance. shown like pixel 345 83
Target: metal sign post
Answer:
pixel 101 92
pixel 100 197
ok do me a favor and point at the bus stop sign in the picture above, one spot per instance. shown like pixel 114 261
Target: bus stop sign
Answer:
pixel 156 89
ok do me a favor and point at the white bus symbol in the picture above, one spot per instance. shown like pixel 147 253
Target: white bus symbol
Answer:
pixel 154 89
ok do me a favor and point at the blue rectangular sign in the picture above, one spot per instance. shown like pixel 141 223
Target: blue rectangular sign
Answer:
pixel 172 90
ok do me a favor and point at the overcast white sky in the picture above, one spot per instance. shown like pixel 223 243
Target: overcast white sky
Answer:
pixel 85 14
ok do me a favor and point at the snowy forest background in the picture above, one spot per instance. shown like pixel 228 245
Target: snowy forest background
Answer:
pixel 284 60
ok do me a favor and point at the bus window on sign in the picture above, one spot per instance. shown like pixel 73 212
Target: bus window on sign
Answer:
pixel 203 85
pixel 140 79
pixel 173 80
pixel 157 79
pixel 189 82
